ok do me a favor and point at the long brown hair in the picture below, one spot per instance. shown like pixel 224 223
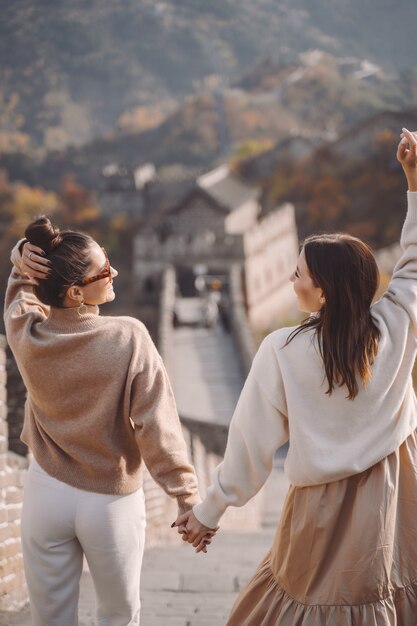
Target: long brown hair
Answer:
pixel 346 271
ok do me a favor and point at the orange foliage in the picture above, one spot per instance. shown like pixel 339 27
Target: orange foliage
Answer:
pixel 332 191
pixel 77 206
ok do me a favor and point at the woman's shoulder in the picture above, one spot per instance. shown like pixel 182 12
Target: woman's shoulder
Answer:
pixel 278 338
pixel 285 344
pixel 127 325
pixel 389 314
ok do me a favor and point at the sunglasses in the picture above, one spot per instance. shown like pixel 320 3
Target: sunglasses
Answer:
pixel 105 273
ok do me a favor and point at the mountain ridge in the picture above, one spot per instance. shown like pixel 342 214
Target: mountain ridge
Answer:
pixel 69 73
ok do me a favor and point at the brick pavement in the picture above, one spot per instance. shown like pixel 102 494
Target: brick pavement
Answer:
pixel 181 588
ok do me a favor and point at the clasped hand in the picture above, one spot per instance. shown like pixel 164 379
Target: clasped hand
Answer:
pixel 194 532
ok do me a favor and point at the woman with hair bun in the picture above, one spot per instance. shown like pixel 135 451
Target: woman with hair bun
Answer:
pixel 339 388
pixel 99 404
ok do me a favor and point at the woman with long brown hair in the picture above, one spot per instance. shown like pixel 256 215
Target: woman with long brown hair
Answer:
pixel 339 388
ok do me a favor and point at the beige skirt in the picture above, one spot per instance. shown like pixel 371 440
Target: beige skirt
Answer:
pixel 345 553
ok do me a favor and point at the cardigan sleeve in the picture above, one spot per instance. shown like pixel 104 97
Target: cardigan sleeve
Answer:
pixel 258 428
pixel 158 429
pixel 402 289
pixel 22 308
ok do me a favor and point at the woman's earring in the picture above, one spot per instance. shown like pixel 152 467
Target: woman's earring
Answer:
pixel 82 309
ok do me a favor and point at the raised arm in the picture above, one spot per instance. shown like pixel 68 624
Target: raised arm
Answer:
pixel 402 289
pixel 21 305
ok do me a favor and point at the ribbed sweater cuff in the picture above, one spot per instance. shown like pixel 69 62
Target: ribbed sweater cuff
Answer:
pixel 208 514
pixel 185 503
pixel 412 205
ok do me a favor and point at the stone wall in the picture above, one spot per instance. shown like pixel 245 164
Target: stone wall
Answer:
pixel 16 395
pixel 206 443
pixel 160 509
pixel 12 471
pixel 242 332
pixel 271 253
pixel 165 316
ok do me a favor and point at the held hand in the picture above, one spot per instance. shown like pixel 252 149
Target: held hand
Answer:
pixel 407 156
pixel 194 531
pixel 33 263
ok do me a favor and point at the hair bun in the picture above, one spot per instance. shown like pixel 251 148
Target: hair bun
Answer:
pixel 41 232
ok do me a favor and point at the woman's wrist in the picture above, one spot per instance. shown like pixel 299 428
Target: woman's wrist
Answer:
pixel 411 177
pixel 16 255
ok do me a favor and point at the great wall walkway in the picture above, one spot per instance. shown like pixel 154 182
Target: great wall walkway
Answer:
pixel 207 376
pixel 179 587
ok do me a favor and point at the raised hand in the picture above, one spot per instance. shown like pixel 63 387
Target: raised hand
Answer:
pixel 407 156
pixel 33 262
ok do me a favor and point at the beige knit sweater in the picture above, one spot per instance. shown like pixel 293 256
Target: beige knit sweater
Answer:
pixel 99 399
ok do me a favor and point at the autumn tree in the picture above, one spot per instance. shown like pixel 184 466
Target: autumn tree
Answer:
pixel 76 203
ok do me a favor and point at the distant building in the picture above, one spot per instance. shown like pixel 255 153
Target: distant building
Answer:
pixel 119 193
pixel 117 178
pixel 219 223
pixel 144 175
pixel 140 191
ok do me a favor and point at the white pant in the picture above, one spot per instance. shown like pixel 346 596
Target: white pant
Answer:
pixel 59 524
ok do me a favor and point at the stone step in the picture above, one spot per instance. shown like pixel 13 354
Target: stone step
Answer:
pixel 207 379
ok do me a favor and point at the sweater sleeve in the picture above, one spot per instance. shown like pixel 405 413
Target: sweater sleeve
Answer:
pixel 21 306
pixel 402 289
pixel 258 428
pixel 158 430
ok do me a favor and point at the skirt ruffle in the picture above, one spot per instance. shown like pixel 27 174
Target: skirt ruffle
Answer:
pixel 266 603
pixel 345 553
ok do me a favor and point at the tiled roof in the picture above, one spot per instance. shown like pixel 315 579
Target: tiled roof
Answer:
pixel 227 189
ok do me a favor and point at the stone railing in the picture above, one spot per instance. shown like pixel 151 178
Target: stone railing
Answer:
pixel 166 313
pixel 242 332
pixel 205 444
pixel 160 509
pixel 12 471
pixel 16 396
